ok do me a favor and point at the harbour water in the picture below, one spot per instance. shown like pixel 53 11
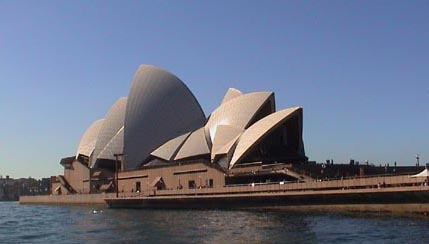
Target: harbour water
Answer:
pixel 89 224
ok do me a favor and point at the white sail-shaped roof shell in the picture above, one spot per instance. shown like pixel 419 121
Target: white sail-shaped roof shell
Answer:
pixel 259 130
pixel 113 122
pixel 160 107
pixel 115 146
pixel 195 145
pixel 89 138
pixel 224 135
pixel 226 149
pixel 169 149
pixel 231 94
pixel 237 112
pixel 224 155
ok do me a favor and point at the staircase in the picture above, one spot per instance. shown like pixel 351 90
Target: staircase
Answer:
pixel 66 185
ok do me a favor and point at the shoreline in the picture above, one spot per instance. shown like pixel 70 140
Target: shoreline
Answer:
pixel 395 200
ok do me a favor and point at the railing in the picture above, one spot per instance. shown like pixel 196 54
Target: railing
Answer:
pixel 344 184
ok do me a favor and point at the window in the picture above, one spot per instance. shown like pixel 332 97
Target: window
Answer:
pixel 191 184
pixel 138 186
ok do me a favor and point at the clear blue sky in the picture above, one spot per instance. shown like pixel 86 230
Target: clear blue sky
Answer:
pixel 360 69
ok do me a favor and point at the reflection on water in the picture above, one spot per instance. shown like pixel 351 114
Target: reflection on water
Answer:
pixel 81 224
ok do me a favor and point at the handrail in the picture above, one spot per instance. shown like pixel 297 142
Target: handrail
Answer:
pixel 273 187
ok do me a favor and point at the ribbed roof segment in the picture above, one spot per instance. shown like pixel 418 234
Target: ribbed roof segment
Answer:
pixel 224 134
pixel 160 107
pixel 113 122
pixel 231 94
pixel 89 137
pixel 259 130
pixel 224 155
pixel 115 146
pixel 169 149
pixel 237 112
pixel 195 145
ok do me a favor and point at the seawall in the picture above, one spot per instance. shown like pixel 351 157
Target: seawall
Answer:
pixel 395 194
pixel 66 199
pixel 399 200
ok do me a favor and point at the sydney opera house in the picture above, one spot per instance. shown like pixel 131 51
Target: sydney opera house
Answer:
pixel 157 149
pixel 159 138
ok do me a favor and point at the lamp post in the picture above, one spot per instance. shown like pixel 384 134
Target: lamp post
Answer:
pixel 116 172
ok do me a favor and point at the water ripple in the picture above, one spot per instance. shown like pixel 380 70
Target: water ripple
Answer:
pixel 79 224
